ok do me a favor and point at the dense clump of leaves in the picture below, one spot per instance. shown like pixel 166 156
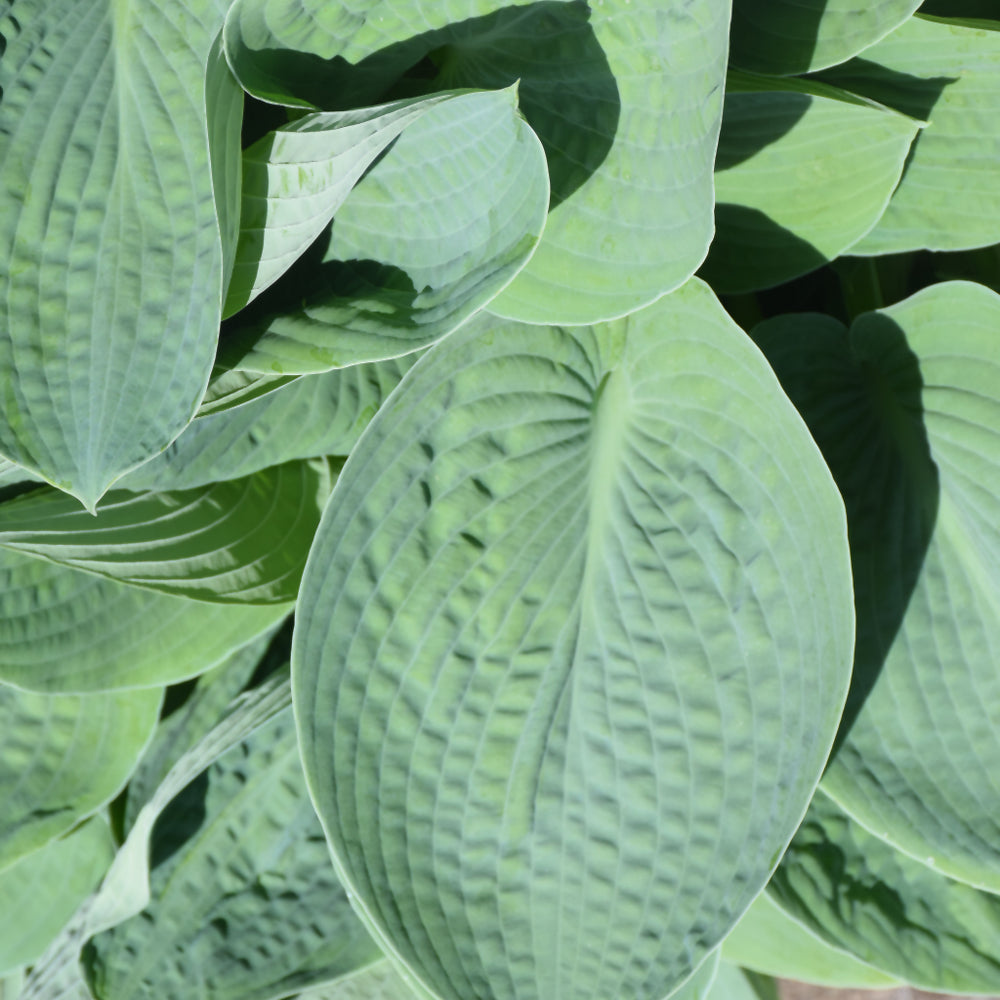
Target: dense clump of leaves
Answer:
pixel 498 500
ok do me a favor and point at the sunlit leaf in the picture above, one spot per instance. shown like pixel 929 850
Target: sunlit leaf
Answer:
pixel 906 409
pixel 625 96
pixel 62 757
pixel 567 577
pixel 243 541
pixel 112 262
pixel 949 74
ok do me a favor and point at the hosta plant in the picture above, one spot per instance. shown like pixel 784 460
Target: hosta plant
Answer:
pixel 498 501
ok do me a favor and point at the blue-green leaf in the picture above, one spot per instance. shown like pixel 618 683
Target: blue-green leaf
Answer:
pixel 242 541
pixel 625 95
pixel 62 757
pixel 570 651
pixel 947 73
pixel 111 287
pixel 245 904
pixel 906 409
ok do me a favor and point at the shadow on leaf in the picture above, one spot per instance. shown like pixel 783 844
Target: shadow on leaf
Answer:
pixel 566 88
pixel 860 394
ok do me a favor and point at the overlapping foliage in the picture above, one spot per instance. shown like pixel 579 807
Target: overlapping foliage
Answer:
pixel 498 500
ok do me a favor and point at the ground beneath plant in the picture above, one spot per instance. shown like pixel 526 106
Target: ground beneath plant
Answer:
pixel 789 990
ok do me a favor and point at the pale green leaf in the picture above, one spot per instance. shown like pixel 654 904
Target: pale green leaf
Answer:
pixel 769 941
pixel 66 630
pixel 111 290
pixel 230 387
pixel 203 708
pixel 224 110
pixel 699 986
pixel 295 179
pixel 240 541
pixel 378 981
pixel 734 983
pixel 625 95
pixel 430 234
pixel 801 174
pixel 796 36
pixel 39 893
pixel 10 985
pixel 244 901
pixel 312 416
pixel 125 889
pixel 906 409
pixel 862 895
pixel 567 577
pixel 62 757
pixel 949 74
pixel 12 474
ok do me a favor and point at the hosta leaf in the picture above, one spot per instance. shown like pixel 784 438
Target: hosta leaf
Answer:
pixel 295 179
pixel 124 891
pixel 949 74
pixel 63 629
pixel 796 36
pixel 891 911
pixel 699 986
pixel 242 541
pixel 12 474
pixel 570 650
pixel 224 107
pixel 112 274
pixel 62 757
pixel 314 415
pixel 244 901
pixel 734 983
pixel 625 96
pixel 230 387
pixel 378 981
pixel 800 176
pixel 39 893
pixel 430 234
pixel 10 985
pixel 768 940
pixel 906 409
pixel 204 708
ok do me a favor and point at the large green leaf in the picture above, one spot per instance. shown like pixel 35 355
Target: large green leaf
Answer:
pixel 244 901
pixel 769 941
pixel 224 108
pixel 11 984
pixel 378 981
pixel 62 757
pixel 699 986
pixel 112 264
pixel 796 36
pixel 63 629
pixel 124 891
pixel 625 96
pixel 239 541
pixel 570 650
pixel 949 74
pixel 204 707
pixel 312 416
pixel 295 178
pixel 801 174
pixel 229 387
pixel 859 893
pixel 39 893
pixel 428 236
pixel 734 983
pixel 906 409
pixel 12 474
